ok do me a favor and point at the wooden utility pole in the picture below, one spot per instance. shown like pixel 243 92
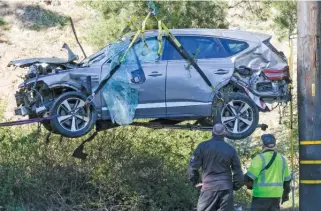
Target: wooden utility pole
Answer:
pixel 309 103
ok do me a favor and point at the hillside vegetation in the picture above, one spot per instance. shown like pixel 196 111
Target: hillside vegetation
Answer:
pixel 128 168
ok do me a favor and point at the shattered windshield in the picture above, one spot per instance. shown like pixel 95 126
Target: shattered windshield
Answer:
pixel 108 52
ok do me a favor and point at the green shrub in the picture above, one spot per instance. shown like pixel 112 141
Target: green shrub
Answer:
pixel 2 22
pixel 37 18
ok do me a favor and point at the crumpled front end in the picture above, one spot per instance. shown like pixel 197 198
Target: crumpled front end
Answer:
pixel 30 99
pixel 37 94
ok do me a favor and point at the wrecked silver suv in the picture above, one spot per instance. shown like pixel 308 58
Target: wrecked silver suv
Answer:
pixel 245 69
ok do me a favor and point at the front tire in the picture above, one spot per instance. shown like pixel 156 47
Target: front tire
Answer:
pixel 75 117
pixel 239 114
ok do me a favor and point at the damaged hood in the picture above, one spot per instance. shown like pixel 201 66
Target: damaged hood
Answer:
pixel 28 62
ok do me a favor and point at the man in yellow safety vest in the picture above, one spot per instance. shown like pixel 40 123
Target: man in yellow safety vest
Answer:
pixel 269 177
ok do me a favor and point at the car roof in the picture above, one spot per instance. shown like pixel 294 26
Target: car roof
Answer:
pixel 227 33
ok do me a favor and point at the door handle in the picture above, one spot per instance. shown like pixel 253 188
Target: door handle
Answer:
pixel 221 72
pixel 155 75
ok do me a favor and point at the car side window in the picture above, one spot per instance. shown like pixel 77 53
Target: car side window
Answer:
pixel 234 46
pixel 150 54
pixel 204 47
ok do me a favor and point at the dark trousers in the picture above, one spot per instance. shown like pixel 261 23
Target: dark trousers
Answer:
pixel 210 200
pixel 265 204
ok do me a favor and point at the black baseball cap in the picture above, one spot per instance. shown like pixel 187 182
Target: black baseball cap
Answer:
pixel 268 140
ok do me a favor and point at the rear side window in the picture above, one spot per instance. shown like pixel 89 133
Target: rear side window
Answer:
pixel 204 47
pixel 234 46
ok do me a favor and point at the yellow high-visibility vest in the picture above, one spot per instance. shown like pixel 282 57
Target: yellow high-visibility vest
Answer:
pixel 268 183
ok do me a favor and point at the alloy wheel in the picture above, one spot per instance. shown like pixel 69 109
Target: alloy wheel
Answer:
pixel 73 114
pixel 237 116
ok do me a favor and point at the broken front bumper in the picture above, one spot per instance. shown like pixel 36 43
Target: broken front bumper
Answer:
pixel 21 100
pixel 31 102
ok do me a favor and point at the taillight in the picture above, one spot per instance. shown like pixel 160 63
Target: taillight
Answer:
pixel 277 74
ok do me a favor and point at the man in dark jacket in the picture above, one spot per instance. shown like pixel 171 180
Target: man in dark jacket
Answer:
pixel 218 160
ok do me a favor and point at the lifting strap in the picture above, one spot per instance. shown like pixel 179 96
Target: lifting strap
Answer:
pixel 160 38
pixel 186 56
pixel 143 34
pixel 194 58
pixel 27 121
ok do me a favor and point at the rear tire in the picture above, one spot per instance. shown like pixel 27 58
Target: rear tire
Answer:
pixel 75 118
pixel 239 114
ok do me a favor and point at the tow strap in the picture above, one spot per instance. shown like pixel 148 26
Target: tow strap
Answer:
pixel 27 121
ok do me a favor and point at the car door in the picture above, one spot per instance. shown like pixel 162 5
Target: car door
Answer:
pixel 152 90
pixel 187 94
pixel 150 83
